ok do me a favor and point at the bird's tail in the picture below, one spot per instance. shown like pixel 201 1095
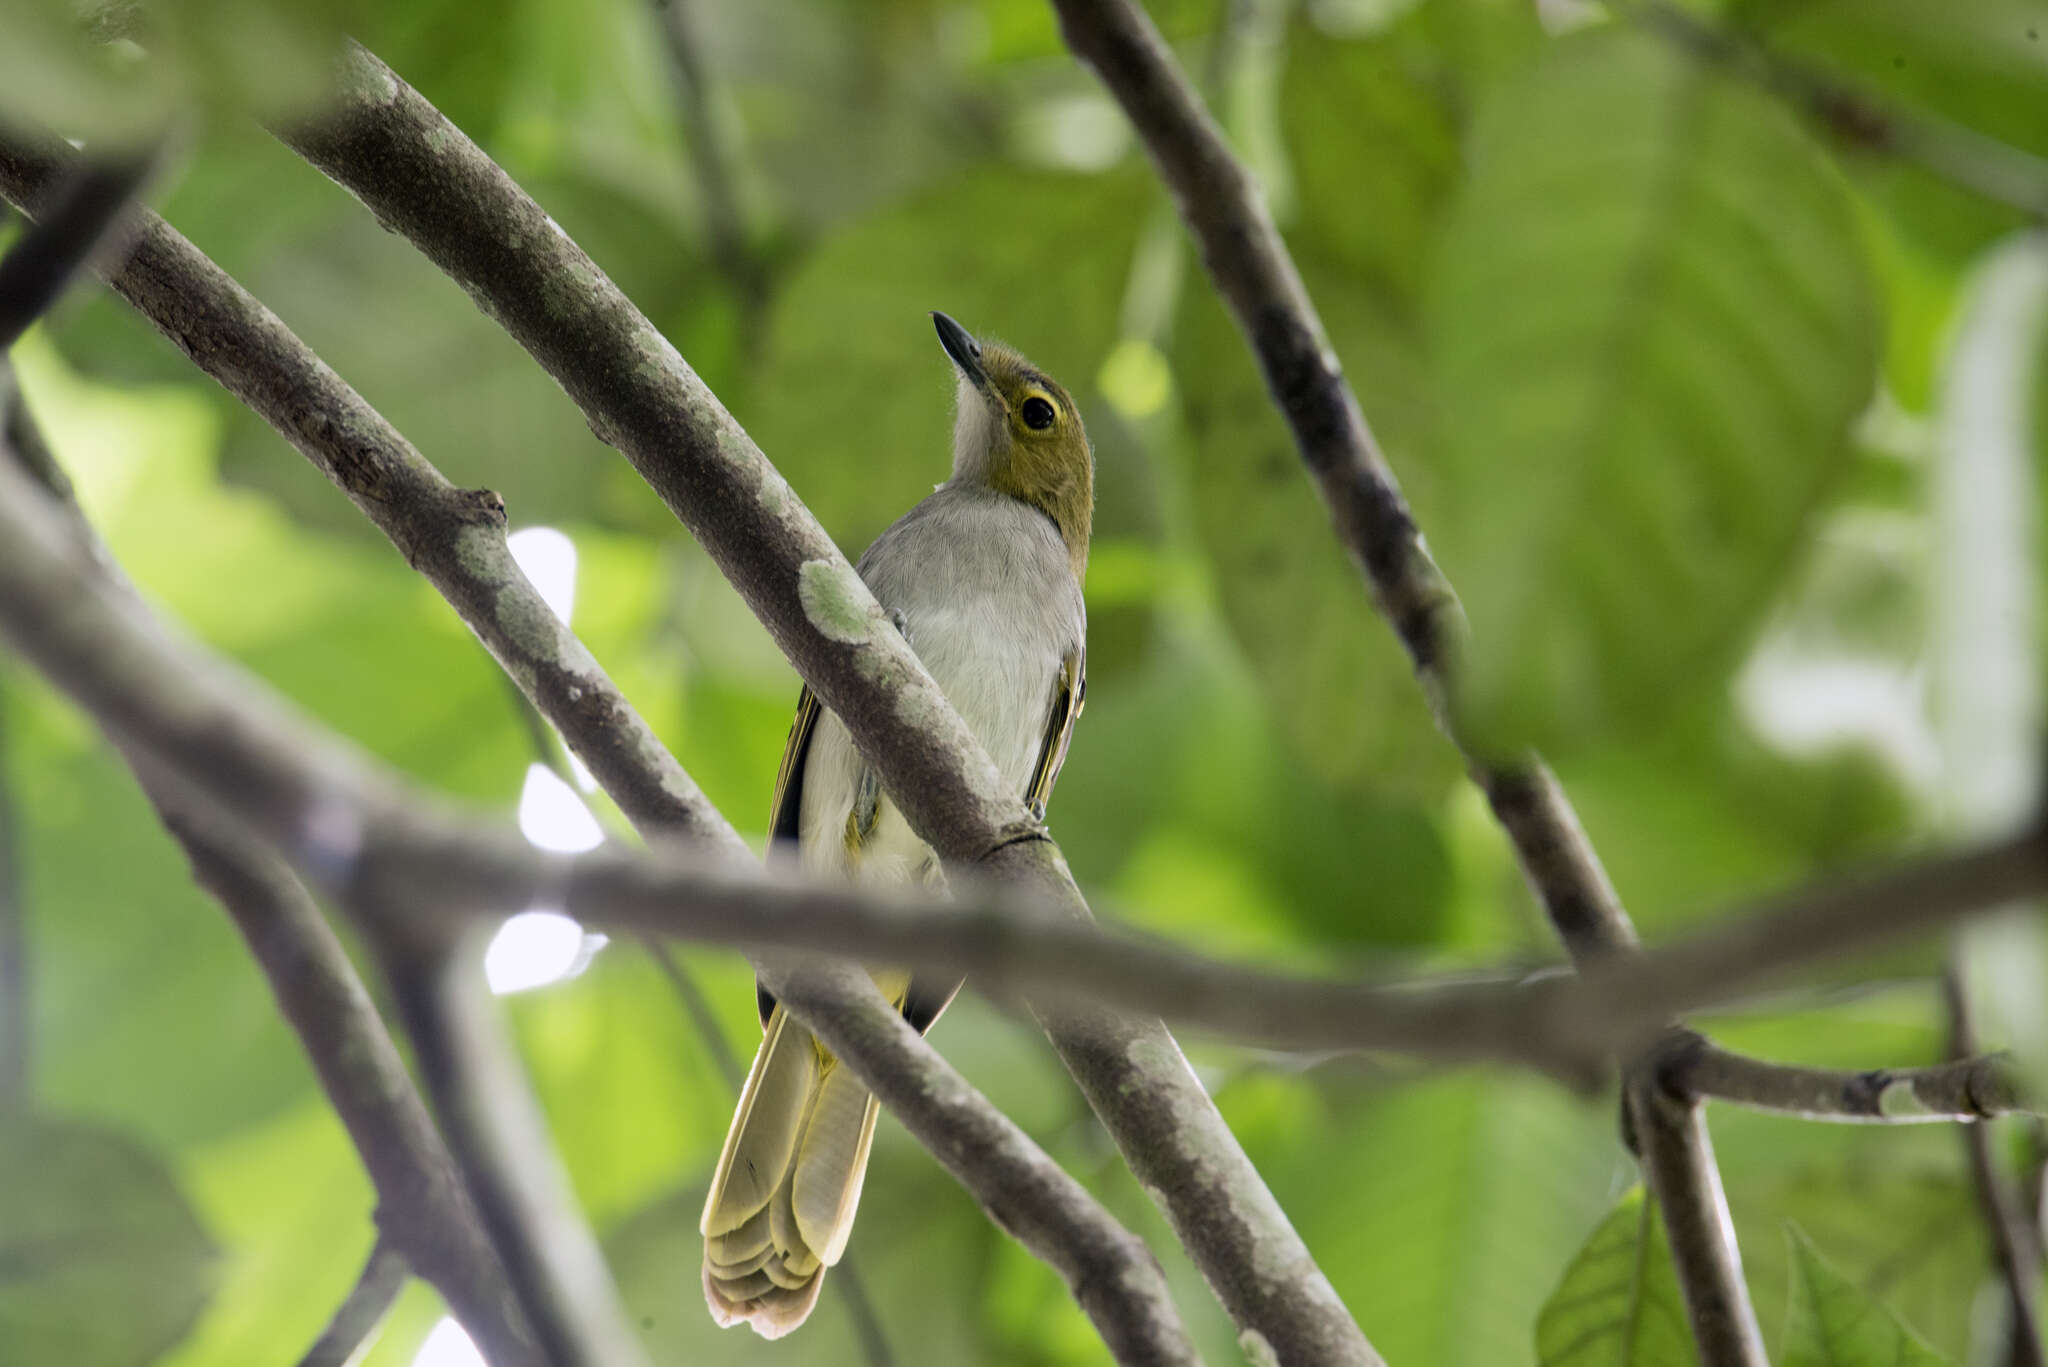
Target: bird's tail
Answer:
pixel 782 1200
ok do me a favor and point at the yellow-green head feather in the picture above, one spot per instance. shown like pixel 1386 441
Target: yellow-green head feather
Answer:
pixel 1019 432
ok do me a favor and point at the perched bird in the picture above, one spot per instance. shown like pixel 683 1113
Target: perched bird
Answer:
pixel 984 580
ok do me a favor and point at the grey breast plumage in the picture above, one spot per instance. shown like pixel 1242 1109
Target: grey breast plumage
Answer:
pixel 984 590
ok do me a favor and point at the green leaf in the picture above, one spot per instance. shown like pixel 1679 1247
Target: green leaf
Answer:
pixel 1651 328
pixel 1375 156
pixel 102 1262
pixel 1619 1304
pixel 1832 1323
pixel 1338 683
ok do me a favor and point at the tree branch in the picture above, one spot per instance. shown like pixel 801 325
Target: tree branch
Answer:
pixel 420 176
pixel 1677 1157
pixel 1966 1089
pixel 711 155
pixel 421 1210
pixel 500 1139
pixel 359 1317
pixel 1808 926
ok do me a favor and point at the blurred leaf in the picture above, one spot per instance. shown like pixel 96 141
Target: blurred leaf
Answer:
pixel 293 1209
pixel 1833 1324
pixel 102 1262
pixel 1619 1303
pixel 1442 1208
pixel 1982 66
pixel 1652 327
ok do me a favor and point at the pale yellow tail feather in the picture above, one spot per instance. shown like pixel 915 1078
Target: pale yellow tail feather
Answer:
pixel 831 1161
pixel 764 1130
pixel 783 1196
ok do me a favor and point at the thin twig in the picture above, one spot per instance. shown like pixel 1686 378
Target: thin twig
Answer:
pixel 500 1139
pixel 1764 944
pixel 2016 1244
pixel 424 179
pixel 1967 1089
pixel 358 1318
pixel 1256 276
pixel 81 216
pixel 713 157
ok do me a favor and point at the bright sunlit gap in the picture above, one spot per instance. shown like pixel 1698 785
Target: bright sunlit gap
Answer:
pixel 547 558
pixel 535 949
pixel 553 817
pixel 542 946
pixel 447 1345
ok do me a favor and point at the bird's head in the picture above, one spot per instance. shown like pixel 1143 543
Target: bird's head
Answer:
pixel 1018 432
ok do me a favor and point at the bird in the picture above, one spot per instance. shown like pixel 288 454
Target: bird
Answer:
pixel 983 578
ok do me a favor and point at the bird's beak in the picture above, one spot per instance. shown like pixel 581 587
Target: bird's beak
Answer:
pixel 961 346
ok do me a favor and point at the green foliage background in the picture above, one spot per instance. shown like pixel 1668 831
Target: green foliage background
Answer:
pixel 1620 322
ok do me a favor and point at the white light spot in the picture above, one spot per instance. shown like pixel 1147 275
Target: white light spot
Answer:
pixel 581 773
pixel 1806 705
pixel 553 817
pixel 548 559
pixel 536 948
pixel 448 1346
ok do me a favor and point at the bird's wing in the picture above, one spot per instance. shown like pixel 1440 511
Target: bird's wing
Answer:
pixel 1067 701
pixel 786 809
pixel 785 812
pixel 927 998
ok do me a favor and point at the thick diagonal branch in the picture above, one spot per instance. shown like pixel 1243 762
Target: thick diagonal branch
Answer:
pixel 422 177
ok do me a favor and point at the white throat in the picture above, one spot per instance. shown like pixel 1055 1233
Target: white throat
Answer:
pixel 978 432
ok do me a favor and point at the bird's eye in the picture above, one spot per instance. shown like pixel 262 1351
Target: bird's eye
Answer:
pixel 1038 413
